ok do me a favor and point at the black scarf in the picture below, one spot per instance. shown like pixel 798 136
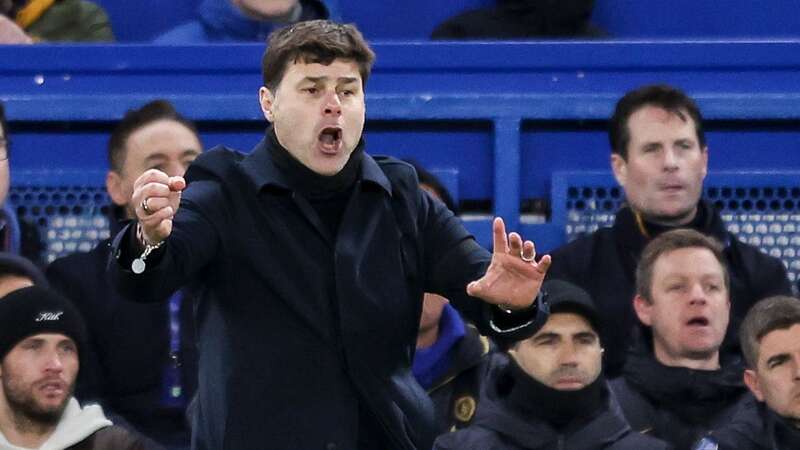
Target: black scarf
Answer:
pixel 536 401
pixel 327 195
pixel 693 395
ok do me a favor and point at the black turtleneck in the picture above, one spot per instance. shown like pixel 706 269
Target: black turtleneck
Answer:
pixel 327 195
pixel 696 396
pixel 560 409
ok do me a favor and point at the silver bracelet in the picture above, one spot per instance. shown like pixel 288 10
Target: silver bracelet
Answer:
pixel 138 265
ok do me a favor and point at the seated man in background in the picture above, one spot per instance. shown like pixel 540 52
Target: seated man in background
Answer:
pixel 141 361
pixel 41 340
pixel 452 357
pixel 770 338
pixel 16 236
pixel 28 21
pixel 242 20
pixel 551 393
pixel 660 158
pixel 675 385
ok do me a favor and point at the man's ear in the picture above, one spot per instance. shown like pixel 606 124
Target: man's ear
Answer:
pixel 265 98
pixel 620 168
pixel 114 188
pixel 751 380
pixel 644 310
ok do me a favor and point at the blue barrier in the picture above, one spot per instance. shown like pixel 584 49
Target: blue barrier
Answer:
pixel 503 116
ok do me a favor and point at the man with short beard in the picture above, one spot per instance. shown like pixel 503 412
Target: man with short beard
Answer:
pixel 676 385
pixel 40 343
pixel 551 393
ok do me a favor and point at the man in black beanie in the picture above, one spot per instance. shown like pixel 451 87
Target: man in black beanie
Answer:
pixel 551 392
pixel 40 342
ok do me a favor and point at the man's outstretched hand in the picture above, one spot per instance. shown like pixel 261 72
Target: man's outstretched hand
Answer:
pixel 513 278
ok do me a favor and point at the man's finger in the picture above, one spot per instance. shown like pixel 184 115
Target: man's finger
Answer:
pixel 528 251
pixel 499 238
pixel 151 176
pixel 177 184
pixel 515 244
pixel 544 264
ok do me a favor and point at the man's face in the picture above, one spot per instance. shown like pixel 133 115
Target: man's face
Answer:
pixel 689 308
pixel 565 354
pixel 776 378
pixel 665 167
pixel 165 145
pixel 38 377
pixel 318 113
pixel 5 176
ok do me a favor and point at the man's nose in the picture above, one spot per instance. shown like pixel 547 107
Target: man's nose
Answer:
pixel 332 104
pixel 670 159
pixel 698 294
pixel 53 362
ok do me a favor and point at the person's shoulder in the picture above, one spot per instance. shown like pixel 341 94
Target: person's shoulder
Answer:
pixel 216 163
pixel 394 166
pixel 120 438
pixel 187 33
pixel 76 264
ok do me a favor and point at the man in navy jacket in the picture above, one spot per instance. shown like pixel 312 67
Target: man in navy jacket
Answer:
pixel 311 258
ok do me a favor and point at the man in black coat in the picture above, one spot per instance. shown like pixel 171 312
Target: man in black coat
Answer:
pixel 770 338
pixel 660 158
pixel 550 393
pixel 675 385
pixel 141 364
pixel 312 258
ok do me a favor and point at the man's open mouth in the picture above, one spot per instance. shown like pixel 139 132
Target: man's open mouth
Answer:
pixel 330 137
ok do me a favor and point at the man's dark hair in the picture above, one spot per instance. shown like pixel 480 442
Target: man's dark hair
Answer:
pixel 773 313
pixel 314 41
pixel 669 242
pixel 661 96
pixel 135 119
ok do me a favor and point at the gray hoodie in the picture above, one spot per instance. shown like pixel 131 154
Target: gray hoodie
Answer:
pixel 76 424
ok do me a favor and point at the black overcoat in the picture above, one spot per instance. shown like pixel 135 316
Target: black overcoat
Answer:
pixel 299 330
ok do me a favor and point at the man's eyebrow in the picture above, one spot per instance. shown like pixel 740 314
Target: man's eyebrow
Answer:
pixel 546 336
pixel 585 334
pixel 780 357
pixel 323 78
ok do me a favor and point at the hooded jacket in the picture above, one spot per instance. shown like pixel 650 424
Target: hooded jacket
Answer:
pixel 85 429
pixel 501 425
pixel 604 265
pixel 678 404
pixel 221 21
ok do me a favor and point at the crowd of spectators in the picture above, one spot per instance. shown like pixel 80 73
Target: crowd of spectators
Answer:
pixel 663 331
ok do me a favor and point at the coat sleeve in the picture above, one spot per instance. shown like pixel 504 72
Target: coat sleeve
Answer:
pixel 452 259
pixel 193 245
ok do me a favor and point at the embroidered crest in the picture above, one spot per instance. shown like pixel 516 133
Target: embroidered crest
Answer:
pixel 464 408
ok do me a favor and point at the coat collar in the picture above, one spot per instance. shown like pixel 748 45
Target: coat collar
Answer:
pixel 263 173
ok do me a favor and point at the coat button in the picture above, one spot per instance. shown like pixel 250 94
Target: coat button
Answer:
pixel 331 446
